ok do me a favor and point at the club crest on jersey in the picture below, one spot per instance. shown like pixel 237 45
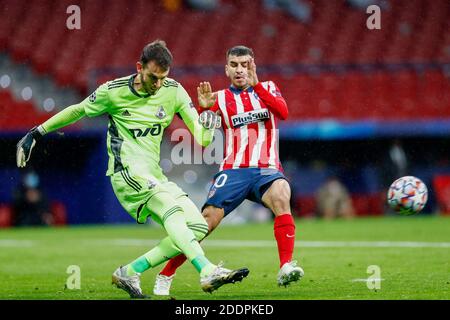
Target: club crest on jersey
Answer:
pixel 243 119
pixel 93 96
pixel 161 113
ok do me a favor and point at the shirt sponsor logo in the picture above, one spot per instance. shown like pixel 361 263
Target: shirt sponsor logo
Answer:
pixel 243 119
pixel 155 130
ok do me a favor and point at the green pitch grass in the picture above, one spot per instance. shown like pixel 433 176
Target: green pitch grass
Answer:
pixel 334 254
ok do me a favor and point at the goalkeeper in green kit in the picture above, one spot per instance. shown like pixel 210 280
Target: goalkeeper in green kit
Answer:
pixel 140 107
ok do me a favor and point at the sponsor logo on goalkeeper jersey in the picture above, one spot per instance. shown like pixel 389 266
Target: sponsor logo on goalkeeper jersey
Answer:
pixel 140 133
pixel 249 117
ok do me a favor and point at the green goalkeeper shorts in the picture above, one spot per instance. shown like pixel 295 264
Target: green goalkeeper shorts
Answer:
pixel 143 197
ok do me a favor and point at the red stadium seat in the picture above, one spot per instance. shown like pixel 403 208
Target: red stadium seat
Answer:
pixel 59 213
pixel 434 94
pixel 305 206
pixel 18 115
pixel 368 204
pixel 441 185
pixel 6 217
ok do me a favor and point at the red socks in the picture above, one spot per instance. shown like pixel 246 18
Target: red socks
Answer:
pixel 173 264
pixel 284 231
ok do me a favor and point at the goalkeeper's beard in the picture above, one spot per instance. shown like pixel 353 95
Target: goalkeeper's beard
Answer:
pixel 145 85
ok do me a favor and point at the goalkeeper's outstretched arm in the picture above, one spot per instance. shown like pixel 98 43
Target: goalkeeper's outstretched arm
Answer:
pixel 63 118
pixel 94 105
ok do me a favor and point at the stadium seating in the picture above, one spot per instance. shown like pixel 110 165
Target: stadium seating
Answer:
pixel 413 31
pixel 304 206
pixel 368 204
pixel 5 216
pixel 364 204
pixel 441 186
pixel 17 115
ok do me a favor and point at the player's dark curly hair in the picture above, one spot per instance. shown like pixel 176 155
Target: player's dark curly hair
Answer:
pixel 157 51
pixel 240 51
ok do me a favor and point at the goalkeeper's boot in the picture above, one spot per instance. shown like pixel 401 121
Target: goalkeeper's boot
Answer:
pixel 288 273
pixel 162 285
pixel 220 276
pixel 131 284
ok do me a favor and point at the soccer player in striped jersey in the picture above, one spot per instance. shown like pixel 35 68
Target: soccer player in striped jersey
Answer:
pixel 140 107
pixel 251 168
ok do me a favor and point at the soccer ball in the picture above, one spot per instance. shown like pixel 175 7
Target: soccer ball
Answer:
pixel 407 195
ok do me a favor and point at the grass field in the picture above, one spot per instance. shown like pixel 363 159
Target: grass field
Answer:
pixel 413 254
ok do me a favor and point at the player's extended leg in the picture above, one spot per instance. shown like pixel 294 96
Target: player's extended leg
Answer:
pixel 170 212
pixel 213 217
pixel 165 210
pixel 277 198
pixel 229 189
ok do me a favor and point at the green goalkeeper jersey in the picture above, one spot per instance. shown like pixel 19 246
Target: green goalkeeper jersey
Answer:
pixel 137 122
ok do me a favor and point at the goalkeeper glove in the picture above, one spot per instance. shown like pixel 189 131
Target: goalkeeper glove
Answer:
pixel 26 144
pixel 209 120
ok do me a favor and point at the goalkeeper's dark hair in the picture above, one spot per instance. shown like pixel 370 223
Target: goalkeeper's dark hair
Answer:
pixel 158 52
pixel 240 51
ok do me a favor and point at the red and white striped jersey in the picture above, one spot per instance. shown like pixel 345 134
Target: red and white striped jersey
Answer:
pixel 249 119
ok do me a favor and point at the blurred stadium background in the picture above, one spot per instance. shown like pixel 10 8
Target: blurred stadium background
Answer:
pixel 353 93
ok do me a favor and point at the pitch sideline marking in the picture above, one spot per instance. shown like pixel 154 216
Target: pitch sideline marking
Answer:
pixel 16 243
pixel 249 243
pixel 304 244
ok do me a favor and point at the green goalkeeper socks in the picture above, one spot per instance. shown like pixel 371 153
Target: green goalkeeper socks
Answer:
pixel 181 238
pixel 138 266
pixel 203 265
pixel 163 252
pixel 159 254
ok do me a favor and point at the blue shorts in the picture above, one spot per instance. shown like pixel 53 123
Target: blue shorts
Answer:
pixel 231 187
